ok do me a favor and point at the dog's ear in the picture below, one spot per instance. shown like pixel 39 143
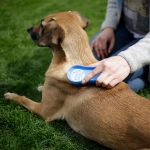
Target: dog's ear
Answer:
pixel 56 33
pixel 85 22
pixel 52 34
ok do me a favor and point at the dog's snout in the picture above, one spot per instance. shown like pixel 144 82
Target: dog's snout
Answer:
pixel 29 29
pixel 34 35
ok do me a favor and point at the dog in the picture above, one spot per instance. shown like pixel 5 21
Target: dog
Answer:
pixel 117 118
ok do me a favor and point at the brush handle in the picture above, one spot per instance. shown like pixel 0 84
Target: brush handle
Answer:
pixel 77 73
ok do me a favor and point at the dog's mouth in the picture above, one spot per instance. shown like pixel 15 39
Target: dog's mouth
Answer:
pixel 34 36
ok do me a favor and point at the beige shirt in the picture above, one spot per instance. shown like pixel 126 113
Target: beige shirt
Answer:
pixel 137 55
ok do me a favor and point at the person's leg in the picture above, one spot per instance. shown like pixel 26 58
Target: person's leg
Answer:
pixel 138 79
pixel 122 37
pixel 138 83
pixel 125 47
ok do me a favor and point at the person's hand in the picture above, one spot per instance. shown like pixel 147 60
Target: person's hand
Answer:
pixel 113 70
pixel 104 42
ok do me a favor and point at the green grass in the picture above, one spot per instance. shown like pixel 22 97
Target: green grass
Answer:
pixel 22 68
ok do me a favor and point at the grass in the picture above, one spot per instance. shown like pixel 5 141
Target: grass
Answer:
pixel 22 68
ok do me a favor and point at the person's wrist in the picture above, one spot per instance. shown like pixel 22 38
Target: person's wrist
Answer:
pixel 126 62
pixel 108 28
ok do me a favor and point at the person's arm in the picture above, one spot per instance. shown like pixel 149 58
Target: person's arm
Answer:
pixel 138 55
pixel 115 69
pixel 111 17
pixel 100 43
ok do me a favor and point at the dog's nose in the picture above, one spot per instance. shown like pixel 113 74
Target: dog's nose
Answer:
pixel 29 29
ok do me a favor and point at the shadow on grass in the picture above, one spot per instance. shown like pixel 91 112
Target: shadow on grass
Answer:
pixel 63 128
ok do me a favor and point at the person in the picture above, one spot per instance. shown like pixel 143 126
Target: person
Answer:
pixel 123 45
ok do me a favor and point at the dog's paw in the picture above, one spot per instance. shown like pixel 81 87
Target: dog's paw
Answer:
pixel 40 88
pixel 10 95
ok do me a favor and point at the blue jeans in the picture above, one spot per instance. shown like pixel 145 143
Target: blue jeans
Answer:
pixel 124 39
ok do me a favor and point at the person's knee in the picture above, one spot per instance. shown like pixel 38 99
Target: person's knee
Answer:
pixel 138 83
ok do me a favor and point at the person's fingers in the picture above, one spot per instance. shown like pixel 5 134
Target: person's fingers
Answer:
pixel 104 48
pixel 103 76
pixel 95 64
pixel 96 46
pixel 97 52
pixel 113 83
pixel 107 81
pixel 112 43
pixel 102 54
pixel 93 73
pixel 92 46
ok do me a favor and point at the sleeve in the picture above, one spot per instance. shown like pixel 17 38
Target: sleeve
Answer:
pixel 138 55
pixel 111 18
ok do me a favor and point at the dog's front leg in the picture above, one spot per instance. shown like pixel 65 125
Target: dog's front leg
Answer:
pixel 34 107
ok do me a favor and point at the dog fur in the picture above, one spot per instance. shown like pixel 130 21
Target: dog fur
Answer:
pixel 117 118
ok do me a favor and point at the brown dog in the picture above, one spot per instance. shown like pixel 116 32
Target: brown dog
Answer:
pixel 117 118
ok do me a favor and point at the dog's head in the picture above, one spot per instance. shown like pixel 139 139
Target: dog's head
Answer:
pixel 53 29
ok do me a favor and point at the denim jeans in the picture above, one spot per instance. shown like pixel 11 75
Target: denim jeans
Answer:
pixel 124 39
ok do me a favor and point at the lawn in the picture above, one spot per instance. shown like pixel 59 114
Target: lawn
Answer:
pixel 22 68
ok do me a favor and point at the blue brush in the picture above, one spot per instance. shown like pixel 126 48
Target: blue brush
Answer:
pixel 77 73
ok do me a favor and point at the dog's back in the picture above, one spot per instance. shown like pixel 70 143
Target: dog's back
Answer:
pixel 117 118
